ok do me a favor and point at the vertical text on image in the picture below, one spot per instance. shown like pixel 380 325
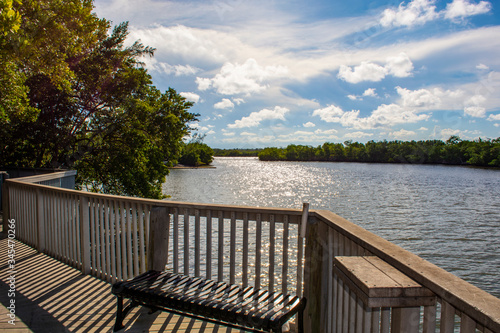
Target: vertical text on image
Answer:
pixel 11 262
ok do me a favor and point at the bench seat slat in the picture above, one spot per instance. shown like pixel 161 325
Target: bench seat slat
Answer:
pixel 230 304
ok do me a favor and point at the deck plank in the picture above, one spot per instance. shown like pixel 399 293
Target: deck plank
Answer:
pixel 54 297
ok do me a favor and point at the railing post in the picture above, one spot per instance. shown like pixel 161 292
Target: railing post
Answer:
pixel 85 234
pixel 40 221
pixel 157 255
pixel 315 277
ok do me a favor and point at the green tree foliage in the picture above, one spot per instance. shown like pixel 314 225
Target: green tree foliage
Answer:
pixel 196 153
pixel 454 151
pixel 82 100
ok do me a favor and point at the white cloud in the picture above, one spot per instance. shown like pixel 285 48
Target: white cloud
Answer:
pixel 330 114
pixel 352 97
pixel 475 111
pixel 247 134
pixel 224 104
pixel 246 78
pixel 190 96
pixel 464 8
pixel 418 12
pixel 423 129
pixel 474 106
pixel 319 136
pixel 494 117
pixel 367 71
pixel 398 66
pixel 309 124
pixel 482 67
pixel 203 83
pixel 402 134
pixel 414 13
pixel 384 115
pixel 422 98
pixel 326 132
pixel 447 132
pixel 370 92
pixel 238 101
pixel 255 118
pixel 357 135
pixel 162 67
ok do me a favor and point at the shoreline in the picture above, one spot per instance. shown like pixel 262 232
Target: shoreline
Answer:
pixel 181 166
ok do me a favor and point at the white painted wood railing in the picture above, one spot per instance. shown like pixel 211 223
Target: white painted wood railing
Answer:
pixel 461 307
pixel 107 236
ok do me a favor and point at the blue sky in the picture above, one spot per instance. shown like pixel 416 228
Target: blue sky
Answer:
pixel 275 72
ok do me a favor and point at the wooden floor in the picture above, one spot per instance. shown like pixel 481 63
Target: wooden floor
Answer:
pixel 53 297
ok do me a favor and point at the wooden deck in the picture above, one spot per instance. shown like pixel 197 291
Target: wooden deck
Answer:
pixel 54 297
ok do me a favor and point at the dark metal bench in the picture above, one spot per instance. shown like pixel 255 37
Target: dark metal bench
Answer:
pixel 219 302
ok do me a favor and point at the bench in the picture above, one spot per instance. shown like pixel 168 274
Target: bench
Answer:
pixel 219 302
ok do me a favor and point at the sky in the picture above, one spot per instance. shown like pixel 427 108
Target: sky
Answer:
pixel 273 73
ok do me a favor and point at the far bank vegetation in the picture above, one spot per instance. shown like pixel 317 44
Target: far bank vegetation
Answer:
pixel 453 151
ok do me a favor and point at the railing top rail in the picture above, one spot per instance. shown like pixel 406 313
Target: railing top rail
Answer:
pixel 45 177
pixel 465 297
pixel 163 203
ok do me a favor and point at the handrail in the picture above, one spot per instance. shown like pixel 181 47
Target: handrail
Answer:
pixel 459 300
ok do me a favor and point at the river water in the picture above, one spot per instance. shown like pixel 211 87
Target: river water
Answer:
pixel 446 214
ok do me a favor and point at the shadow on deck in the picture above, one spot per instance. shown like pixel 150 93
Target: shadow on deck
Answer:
pixel 51 297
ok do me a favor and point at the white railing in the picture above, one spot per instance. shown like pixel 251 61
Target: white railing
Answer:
pixel 108 237
pixel 461 307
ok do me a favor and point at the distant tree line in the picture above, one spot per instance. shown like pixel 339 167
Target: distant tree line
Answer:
pixel 453 151
pixel 236 152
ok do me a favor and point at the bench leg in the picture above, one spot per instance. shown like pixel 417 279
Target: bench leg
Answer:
pixel 121 313
pixel 300 321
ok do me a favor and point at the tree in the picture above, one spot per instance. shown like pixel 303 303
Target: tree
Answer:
pixel 196 153
pixel 89 103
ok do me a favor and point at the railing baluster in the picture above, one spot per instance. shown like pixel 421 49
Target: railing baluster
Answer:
pixel 123 236
pixel 209 254
pixel 135 239
pixel 93 237
pixel 130 249
pixel 258 247
pixel 385 320
pixel 447 317
pixel 107 218
pixel 102 240
pixel 142 253
pixel 284 270
pixel 197 242
pixel 118 244
pixel 429 324
pixel 186 242
pixel 220 252
pixel 232 250
pixel 467 324
pixel 175 259
pixel 272 248
pixel 112 223
pixel 147 224
pixel 245 251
